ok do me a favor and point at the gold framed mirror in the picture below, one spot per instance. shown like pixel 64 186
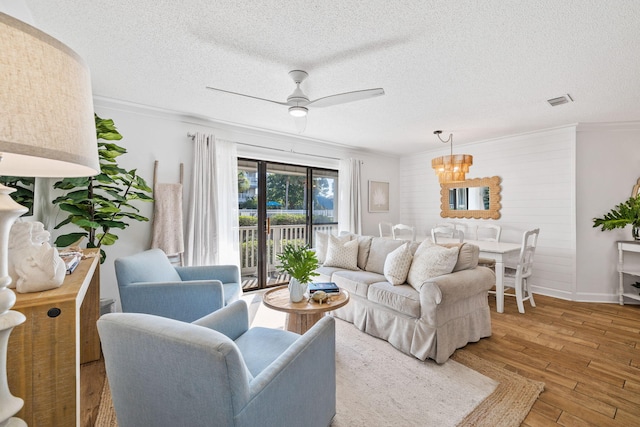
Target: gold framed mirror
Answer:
pixel 477 198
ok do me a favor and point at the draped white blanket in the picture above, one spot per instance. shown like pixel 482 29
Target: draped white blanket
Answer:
pixel 167 219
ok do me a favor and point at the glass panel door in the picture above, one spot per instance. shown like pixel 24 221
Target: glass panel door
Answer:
pixel 286 203
pixel 274 202
pixel 324 203
pixel 248 221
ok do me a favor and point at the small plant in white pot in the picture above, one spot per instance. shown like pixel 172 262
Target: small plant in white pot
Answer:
pixel 300 264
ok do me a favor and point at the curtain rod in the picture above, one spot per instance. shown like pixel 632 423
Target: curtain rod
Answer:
pixel 192 136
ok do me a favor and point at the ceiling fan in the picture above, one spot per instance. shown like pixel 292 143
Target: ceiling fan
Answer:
pixel 299 103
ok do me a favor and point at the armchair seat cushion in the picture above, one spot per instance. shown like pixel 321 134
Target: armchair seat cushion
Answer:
pixel 261 346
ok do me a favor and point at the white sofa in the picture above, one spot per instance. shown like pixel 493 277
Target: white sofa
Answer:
pixel 430 319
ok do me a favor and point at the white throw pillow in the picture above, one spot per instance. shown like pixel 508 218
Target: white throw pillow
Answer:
pixel 322 244
pixel 342 254
pixel 397 264
pixel 431 261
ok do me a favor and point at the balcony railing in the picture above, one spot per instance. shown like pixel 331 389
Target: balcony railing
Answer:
pixel 278 237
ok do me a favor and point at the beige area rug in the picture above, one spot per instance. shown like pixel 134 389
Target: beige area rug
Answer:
pixel 379 386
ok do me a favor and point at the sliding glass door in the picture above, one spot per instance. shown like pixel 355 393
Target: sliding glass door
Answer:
pixel 279 204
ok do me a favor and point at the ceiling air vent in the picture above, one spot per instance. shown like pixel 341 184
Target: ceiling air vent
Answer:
pixel 560 100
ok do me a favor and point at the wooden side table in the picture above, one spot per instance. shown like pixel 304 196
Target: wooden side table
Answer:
pixel 301 316
pixel 45 352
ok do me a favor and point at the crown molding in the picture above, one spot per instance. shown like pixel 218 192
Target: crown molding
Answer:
pixel 608 126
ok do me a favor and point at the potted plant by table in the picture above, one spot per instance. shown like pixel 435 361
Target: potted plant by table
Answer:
pixel 103 204
pixel 622 215
pixel 300 263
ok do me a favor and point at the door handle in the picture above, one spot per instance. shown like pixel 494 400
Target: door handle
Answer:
pixel 268 227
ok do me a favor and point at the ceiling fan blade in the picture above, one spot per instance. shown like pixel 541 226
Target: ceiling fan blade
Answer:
pixel 342 98
pixel 248 96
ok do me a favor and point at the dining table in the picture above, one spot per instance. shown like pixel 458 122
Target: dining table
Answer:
pixel 498 251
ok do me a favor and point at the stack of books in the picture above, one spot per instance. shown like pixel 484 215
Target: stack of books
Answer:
pixel 71 260
pixel 328 287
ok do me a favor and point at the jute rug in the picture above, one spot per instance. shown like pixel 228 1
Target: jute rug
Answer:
pixel 379 386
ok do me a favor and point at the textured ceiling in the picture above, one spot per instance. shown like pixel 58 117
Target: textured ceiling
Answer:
pixel 479 69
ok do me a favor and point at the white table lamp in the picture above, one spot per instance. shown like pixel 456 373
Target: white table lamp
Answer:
pixel 47 129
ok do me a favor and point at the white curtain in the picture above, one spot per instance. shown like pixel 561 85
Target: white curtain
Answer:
pixel 226 195
pixel 350 207
pixel 212 225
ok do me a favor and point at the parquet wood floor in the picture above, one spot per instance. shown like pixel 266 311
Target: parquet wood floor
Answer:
pixel 587 354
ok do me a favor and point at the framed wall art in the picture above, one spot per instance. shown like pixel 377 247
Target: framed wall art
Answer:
pixel 378 196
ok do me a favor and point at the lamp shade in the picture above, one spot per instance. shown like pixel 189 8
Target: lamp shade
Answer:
pixel 47 126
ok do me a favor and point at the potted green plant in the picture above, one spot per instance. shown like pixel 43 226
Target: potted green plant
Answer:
pixel 300 263
pixel 622 215
pixel 102 204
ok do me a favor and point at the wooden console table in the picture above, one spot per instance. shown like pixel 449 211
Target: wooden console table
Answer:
pixel 45 352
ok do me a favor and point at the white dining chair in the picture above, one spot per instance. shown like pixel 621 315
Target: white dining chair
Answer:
pixel 451 224
pixel 488 232
pixel 446 233
pixel 386 230
pixel 403 232
pixel 516 275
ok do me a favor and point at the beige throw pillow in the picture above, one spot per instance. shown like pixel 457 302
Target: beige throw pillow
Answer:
pixel 397 264
pixel 342 254
pixel 431 261
pixel 322 244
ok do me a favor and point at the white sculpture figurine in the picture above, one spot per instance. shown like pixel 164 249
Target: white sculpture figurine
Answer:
pixel 34 265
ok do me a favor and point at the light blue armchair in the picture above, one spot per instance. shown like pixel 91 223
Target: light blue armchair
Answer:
pixel 148 283
pixel 218 372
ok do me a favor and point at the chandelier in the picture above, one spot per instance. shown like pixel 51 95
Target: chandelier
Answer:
pixel 451 168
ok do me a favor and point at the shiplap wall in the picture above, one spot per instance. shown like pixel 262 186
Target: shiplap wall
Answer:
pixel 538 191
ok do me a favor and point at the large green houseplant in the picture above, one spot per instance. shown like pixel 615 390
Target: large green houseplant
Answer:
pixel 626 213
pixel 102 204
pixel 300 263
pixel 24 194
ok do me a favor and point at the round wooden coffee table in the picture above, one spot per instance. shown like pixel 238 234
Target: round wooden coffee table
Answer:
pixel 304 314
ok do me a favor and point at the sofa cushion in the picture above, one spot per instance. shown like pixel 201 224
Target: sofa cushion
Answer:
pixel 402 298
pixel 396 266
pixel 431 261
pixel 364 246
pixel 356 282
pixel 322 244
pixel 342 254
pixel 325 273
pixel 468 255
pixel 380 248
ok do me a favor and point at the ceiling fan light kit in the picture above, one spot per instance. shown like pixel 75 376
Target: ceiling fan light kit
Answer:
pixel 299 102
pixel 297 111
pixel 451 168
